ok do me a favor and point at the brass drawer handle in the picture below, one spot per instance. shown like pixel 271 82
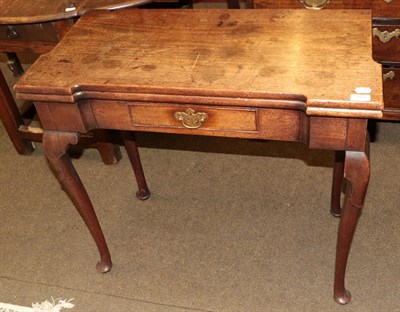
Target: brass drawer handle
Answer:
pixel 388 1
pixel 190 119
pixel 12 32
pixel 385 36
pixel 389 75
pixel 314 4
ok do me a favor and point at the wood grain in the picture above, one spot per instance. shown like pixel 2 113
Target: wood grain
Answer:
pixel 215 53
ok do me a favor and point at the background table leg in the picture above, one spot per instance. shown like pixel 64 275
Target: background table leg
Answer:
pixel 14 64
pixel 12 119
pixel 338 172
pixel 356 171
pixel 233 4
pixel 56 145
pixel 133 154
pixel 110 152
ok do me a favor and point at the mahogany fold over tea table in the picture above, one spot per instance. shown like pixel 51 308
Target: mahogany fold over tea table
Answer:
pixel 284 75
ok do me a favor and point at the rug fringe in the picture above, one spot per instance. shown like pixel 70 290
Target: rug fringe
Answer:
pixel 46 306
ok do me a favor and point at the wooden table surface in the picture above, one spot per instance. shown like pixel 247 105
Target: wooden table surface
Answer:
pixel 211 52
pixel 34 11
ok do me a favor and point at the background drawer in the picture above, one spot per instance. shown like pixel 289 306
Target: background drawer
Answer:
pixel 29 32
pixel 380 8
pixel 386 41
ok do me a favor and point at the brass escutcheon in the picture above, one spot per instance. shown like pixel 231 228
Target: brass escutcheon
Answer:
pixel 385 36
pixel 190 119
pixel 389 75
pixel 314 4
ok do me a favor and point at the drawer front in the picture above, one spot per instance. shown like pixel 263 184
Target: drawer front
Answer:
pixel 380 8
pixel 193 117
pixel 391 88
pixel 386 42
pixel 44 32
pixel 229 121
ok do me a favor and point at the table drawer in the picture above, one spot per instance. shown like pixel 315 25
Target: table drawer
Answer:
pixel 230 121
pixel 193 117
pixel 380 8
pixel 29 32
pixel 386 41
pixel 391 88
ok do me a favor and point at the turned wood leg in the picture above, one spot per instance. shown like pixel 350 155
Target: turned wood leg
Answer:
pixel 338 172
pixel 356 172
pixel 110 152
pixel 55 146
pixel 14 64
pixel 133 154
pixel 12 119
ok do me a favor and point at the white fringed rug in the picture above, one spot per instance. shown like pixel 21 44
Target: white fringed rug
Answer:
pixel 46 306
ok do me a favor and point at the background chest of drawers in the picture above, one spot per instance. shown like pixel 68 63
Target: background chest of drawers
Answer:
pixel 386 37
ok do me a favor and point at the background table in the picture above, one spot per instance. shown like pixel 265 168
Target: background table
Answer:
pixel 36 27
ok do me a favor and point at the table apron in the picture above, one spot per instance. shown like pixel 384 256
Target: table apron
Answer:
pixel 279 124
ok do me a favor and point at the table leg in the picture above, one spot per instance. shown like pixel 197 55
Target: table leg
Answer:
pixel 356 172
pixel 55 145
pixel 338 172
pixel 133 154
pixel 12 119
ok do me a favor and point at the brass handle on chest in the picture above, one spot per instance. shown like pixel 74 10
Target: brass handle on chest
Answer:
pixel 389 75
pixel 385 36
pixel 314 4
pixel 387 1
pixel 190 119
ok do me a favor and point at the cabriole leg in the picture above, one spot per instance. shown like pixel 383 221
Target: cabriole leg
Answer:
pixel 356 172
pixel 55 146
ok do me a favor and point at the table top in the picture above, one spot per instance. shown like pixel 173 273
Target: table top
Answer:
pixel 322 59
pixel 34 11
